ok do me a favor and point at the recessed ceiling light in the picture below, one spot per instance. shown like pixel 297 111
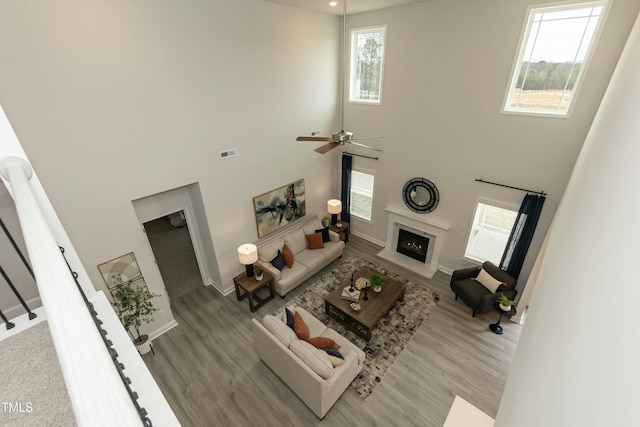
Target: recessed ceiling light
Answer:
pixel 333 3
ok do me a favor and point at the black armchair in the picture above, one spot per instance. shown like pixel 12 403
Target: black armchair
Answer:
pixel 477 296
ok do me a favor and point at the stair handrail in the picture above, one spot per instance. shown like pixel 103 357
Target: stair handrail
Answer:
pixel 93 383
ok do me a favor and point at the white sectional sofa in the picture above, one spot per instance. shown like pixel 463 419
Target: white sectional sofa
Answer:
pixel 304 368
pixel 307 262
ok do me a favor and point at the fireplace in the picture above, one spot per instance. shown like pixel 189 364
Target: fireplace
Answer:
pixel 412 245
pixel 425 241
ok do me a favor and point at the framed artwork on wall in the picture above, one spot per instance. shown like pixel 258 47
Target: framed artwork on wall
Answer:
pixel 279 207
pixel 121 269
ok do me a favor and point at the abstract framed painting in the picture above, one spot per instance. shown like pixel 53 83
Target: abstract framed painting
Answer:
pixel 277 208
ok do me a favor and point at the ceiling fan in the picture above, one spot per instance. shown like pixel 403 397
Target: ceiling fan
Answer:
pixel 341 137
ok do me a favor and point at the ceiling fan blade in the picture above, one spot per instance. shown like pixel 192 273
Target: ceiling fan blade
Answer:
pixel 326 148
pixel 363 145
pixel 365 137
pixel 314 138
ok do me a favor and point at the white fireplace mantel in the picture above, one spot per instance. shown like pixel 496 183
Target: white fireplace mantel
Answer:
pixel 419 224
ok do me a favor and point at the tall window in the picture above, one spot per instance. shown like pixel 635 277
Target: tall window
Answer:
pixel 556 45
pixel 489 232
pixel 361 194
pixel 367 60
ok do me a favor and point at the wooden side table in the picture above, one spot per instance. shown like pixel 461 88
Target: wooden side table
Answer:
pixel 342 231
pixel 248 286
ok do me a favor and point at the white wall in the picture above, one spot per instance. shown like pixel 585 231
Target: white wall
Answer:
pixel 447 70
pixel 578 356
pixel 11 147
pixel 116 100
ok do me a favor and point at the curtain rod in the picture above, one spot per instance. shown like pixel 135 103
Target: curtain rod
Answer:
pixel 359 155
pixel 509 186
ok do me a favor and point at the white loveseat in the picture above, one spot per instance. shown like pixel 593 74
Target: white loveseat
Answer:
pixel 307 262
pixel 297 362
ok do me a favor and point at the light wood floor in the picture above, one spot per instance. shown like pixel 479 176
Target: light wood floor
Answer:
pixel 211 376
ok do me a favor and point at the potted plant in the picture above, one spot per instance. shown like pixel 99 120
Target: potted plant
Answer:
pixel 326 221
pixel 134 307
pixel 377 282
pixel 505 303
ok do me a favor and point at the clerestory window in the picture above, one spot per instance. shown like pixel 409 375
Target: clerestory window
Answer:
pixel 367 64
pixel 556 45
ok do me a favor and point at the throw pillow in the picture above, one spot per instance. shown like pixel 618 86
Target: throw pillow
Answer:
pixel 300 327
pixel 268 251
pixel 314 241
pixel 335 361
pixel 325 234
pixel 278 329
pixel 278 261
pixel 323 342
pixel 287 255
pixel 316 360
pixel 488 281
pixel 290 317
pixel 333 352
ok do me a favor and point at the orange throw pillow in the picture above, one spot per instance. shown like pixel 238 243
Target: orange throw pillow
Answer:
pixel 314 241
pixel 301 329
pixel 323 342
pixel 288 256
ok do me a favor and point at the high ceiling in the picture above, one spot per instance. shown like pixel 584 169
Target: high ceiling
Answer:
pixel 353 6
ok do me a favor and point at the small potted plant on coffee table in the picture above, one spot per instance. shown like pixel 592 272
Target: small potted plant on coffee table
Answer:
pixel 505 303
pixel 377 282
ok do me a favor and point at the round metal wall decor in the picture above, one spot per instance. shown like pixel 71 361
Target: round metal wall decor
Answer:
pixel 420 195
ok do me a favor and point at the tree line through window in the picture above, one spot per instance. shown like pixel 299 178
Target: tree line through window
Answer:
pixel 557 43
pixel 367 58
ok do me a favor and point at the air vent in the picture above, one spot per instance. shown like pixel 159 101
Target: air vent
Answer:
pixel 231 152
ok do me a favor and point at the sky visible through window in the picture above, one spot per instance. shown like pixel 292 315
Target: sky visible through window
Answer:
pixel 552 58
pixel 562 36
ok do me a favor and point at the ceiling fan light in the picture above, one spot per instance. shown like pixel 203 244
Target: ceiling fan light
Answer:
pixel 342 136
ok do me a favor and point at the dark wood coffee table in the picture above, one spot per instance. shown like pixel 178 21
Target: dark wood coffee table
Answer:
pixel 362 322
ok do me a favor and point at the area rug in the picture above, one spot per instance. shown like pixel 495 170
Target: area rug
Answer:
pixel 392 333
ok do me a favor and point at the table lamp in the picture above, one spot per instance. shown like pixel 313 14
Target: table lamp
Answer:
pixel 334 207
pixel 247 255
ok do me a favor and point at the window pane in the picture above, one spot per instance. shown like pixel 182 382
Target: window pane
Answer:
pixel 367 57
pixel 489 233
pixel 361 194
pixel 551 58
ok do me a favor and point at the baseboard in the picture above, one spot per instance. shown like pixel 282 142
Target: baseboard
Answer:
pixel 445 270
pixel 164 329
pixel 18 309
pixel 22 322
pixel 223 291
pixel 368 238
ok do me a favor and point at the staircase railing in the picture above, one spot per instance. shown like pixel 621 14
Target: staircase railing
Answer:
pixel 32 315
pixel 94 384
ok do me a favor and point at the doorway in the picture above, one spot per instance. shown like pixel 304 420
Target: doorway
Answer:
pixel 174 254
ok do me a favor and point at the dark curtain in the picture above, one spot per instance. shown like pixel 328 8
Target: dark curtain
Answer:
pixel 521 234
pixel 347 166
